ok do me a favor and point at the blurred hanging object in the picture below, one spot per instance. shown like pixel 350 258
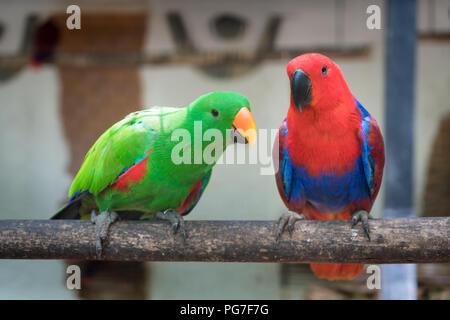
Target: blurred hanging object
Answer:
pixel 7 71
pixel 44 43
pixel 225 27
pixel 94 97
pixel 434 279
pixel 228 26
pixel 437 191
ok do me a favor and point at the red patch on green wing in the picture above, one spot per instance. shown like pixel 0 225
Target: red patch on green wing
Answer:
pixel 133 175
pixel 192 196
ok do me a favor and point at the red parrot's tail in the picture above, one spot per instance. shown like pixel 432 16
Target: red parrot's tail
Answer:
pixel 333 271
pixel 336 271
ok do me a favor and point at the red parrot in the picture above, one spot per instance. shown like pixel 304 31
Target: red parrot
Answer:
pixel 330 154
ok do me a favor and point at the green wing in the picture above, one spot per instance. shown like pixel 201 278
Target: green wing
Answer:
pixel 118 148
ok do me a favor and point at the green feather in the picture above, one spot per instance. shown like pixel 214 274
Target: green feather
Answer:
pixel 118 148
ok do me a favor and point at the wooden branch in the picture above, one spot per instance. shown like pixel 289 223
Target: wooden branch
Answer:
pixel 417 240
pixel 196 59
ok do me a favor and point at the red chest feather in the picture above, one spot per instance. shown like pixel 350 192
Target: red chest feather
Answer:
pixel 323 144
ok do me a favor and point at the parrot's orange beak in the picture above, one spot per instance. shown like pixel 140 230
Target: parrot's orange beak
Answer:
pixel 245 127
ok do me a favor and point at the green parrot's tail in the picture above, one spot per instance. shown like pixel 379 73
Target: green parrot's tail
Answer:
pixel 71 210
pixel 81 206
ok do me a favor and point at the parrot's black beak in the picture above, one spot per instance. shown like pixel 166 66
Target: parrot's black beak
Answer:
pixel 237 137
pixel 300 88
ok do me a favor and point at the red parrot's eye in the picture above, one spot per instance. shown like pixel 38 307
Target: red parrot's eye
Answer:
pixel 324 70
pixel 214 112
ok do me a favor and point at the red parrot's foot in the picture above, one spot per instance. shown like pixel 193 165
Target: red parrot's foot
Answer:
pixel 364 217
pixel 288 218
pixel 102 223
pixel 175 219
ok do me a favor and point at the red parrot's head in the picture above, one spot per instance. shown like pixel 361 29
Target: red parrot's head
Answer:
pixel 316 82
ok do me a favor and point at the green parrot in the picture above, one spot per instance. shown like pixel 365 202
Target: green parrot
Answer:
pixel 154 162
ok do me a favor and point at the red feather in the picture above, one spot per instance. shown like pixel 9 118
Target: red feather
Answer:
pixel 192 197
pixel 133 175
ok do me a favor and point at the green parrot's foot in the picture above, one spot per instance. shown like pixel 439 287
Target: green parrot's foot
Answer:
pixel 289 218
pixel 102 223
pixel 175 219
pixel 364 217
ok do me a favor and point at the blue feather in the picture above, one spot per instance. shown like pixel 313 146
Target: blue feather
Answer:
pixel 76 195
pixel 367 159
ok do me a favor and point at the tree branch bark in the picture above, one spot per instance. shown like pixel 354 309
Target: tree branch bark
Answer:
pixel 417 240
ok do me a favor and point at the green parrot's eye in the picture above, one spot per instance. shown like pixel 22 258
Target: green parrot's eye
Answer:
pixel 214 112
pixel 324 70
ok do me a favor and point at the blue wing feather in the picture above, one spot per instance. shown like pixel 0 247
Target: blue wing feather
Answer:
pixel 366 156
pixel 286 169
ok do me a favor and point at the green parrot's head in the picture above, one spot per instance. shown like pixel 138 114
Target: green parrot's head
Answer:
pixel 228 112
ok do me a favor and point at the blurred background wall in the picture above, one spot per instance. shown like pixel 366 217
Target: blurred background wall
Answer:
pixel 136 54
